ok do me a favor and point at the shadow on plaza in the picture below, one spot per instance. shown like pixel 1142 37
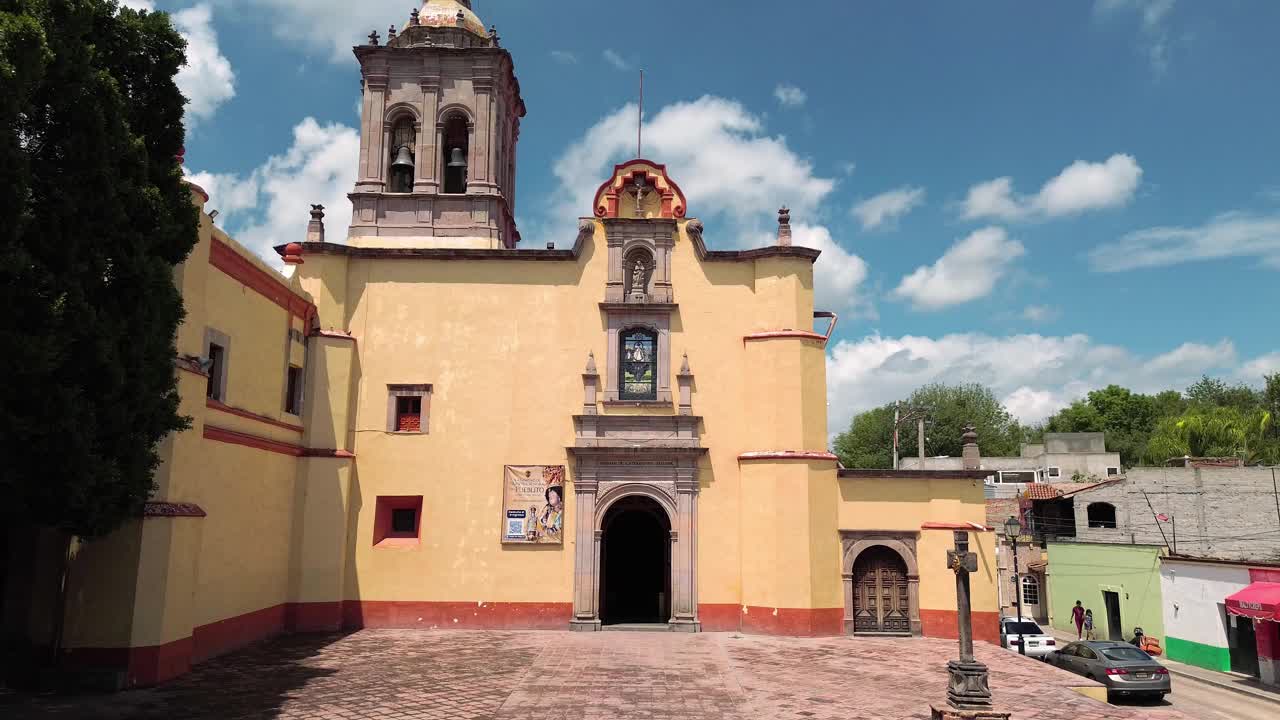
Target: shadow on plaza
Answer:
pixel 254 683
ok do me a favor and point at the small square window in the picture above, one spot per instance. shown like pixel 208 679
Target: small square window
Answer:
pixel 397 520
pixel 293 391
pixel 1113 471
pixel 408 408
pixel 1055 472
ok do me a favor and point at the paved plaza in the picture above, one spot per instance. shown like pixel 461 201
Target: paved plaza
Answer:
pixel 479 675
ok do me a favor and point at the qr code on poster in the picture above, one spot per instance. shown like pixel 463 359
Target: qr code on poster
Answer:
pixel 515 527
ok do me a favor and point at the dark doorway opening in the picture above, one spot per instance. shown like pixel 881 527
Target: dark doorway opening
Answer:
pixel 1115 629
pixel 635 563
pixel 1242 646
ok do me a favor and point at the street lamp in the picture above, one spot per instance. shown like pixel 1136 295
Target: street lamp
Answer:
pixel 1012 529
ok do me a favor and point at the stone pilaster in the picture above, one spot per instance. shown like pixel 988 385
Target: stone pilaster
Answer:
pixel 585 612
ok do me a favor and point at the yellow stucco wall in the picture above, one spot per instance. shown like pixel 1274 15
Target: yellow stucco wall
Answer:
pixel 904 504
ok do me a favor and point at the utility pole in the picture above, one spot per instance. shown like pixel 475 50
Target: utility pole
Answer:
pixel 904 415
pixel 896 414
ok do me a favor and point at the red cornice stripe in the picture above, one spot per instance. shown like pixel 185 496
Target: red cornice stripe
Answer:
pixel 172 509
pixel 787 455
pixel 776 334
pixel 237 438
pixel 215 405
pixel 317 452
pixel 241 269
pixel 974 527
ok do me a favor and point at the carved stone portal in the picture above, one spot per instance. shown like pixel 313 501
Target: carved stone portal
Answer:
pixel 617 457
pixel 902 543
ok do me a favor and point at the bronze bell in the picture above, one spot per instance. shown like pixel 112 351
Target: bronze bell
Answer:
pixel 456 159
pixel 404 158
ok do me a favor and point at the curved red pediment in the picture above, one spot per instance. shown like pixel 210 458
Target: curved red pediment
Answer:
pixel 661 197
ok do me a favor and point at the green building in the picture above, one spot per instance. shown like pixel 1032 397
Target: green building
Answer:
pixel 1119 583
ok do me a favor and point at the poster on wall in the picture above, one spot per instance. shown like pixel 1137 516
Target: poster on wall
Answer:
pixel 533 504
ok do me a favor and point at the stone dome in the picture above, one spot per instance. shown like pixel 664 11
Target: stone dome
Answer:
pixel 444 13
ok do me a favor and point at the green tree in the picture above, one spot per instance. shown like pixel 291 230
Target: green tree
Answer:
pixel 93 219
pixel 1212 392
pixel 1213 432
pixel 868 443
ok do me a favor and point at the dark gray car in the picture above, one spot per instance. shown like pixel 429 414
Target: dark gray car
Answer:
pixel 1123 668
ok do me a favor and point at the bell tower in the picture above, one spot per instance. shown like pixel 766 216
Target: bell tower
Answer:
pixel 440 118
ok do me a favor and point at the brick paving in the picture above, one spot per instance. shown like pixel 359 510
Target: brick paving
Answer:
pixel 480 675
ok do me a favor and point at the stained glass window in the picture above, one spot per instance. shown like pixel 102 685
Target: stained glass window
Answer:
pixel 639 366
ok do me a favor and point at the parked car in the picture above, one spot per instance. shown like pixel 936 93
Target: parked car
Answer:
pixel 1123 668
pixel 1039 643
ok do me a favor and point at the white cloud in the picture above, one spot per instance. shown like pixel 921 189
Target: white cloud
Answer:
pixel 1039 313
pixel 1253 370
pixel 564 57
pixel 967 271
pixel 612 57
pixel 1033 374
pixel 887 207
pixel 1229 235
pixel 1081 186
pixel 1155 30
pixel 327 27
pixel 270 206
pixel 733 173
pixel 207 79
pixel 790 95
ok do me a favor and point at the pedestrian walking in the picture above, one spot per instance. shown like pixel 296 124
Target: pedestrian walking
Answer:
pixel 1077 616
pixel 1088 624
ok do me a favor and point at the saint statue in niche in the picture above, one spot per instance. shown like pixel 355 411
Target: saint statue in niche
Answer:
pixel 638 275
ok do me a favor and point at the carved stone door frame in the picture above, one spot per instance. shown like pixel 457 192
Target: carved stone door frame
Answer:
pixel 669 477
pixel 854 542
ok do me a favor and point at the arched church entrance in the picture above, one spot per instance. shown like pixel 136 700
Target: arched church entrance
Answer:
pixel 635 563
pixel 881 603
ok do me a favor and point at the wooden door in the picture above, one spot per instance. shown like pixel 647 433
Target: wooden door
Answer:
pixel 880 602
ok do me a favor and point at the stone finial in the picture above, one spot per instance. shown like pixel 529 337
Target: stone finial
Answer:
pixel 462 18
pixel 694 228
pixel 590 383
pixel 373 38
pixel 971 456
pixel 684 383
pixel 591 364
pixel 493 35
pixel 315 228
pixel 413 17
pixel 784 225
pixel 391 33
pixel 181 157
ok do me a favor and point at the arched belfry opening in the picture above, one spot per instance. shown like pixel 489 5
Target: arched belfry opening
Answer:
pixel 635 563
pixel 455 149
pixel 402 159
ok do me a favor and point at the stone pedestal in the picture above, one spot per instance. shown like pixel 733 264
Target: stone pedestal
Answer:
pixel 968 689
pixel 943 712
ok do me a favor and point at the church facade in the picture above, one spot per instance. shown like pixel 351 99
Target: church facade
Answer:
pixel 422 425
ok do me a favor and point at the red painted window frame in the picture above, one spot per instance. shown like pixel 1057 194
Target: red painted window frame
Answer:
pixel 383 535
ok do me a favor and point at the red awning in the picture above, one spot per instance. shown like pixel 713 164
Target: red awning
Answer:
pixel 1260 601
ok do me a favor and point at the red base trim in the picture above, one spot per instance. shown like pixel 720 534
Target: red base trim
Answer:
pixel 143 666
pixel 720 617
pixel 234 633
pixel 463 615
pixel 793 621
pixel 313 617
pixel 943 624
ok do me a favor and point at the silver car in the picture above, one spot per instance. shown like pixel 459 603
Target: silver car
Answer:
pixel 1123 668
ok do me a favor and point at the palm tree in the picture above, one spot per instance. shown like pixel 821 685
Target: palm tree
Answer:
pixel 1213 432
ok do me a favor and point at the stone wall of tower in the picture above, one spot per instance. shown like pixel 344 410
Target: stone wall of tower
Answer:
pixel 430 77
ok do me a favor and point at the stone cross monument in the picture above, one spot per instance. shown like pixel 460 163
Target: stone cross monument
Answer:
pixel 968 694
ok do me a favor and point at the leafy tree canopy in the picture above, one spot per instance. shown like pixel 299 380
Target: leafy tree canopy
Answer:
pixel 93 217
pixel 868 443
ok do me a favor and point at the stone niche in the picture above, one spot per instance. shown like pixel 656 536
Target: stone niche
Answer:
pixel 639 260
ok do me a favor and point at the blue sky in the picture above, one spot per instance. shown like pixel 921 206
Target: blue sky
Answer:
pixel 1043 197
